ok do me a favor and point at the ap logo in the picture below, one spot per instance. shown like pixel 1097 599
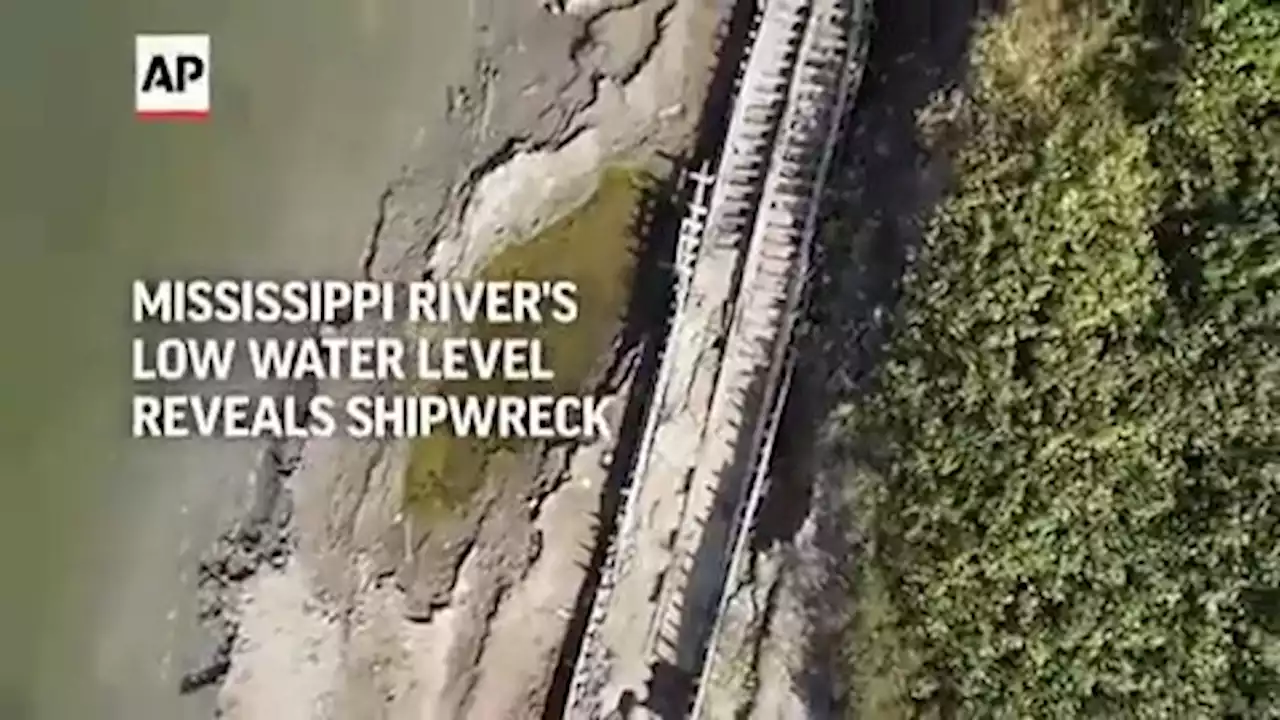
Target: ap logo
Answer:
pixel 171 77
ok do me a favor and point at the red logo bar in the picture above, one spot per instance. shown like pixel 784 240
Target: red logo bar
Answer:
pixel 173 115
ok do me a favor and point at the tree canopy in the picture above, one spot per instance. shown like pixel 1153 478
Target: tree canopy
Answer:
pixel 1077 425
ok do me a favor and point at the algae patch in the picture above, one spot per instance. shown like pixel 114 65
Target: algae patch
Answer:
pixel 595 247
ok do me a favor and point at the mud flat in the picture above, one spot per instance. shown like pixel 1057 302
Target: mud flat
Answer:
pixel 329 600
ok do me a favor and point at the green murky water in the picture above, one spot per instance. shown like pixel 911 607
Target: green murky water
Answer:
pixel 314 104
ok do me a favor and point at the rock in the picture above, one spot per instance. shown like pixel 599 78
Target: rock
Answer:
pixel 209 675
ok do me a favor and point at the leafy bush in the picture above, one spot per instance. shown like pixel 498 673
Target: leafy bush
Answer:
pixel 1075 509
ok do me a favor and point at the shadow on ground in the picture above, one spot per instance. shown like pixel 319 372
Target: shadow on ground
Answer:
pixel 884 185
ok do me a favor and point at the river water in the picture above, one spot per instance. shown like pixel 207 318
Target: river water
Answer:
pixel 315 104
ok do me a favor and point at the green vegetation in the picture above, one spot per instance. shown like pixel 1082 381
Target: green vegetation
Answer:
pixel 594 247
pixel 1072 509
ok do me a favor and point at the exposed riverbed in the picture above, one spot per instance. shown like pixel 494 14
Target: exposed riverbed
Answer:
pixel 332 124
